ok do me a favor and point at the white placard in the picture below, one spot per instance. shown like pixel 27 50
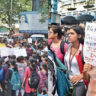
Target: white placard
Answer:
pixel 4 51
pixel 29 40
pixel 17 52
pixel 23 52
pixel 20 52
pixel 90 44
pixel 10 51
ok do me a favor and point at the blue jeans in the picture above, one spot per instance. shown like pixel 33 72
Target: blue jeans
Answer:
pixel 79 89
pixel 30 94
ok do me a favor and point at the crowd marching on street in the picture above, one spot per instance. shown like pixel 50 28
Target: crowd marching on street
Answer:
pixel 61 66
pixel 23 75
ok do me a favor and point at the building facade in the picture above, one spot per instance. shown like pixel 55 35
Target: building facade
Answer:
pixel 54 17
pixel 77 7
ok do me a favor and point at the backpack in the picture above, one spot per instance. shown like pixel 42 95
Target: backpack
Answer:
pixel 61 46
pixel 34 79
pixel 62 84
pixel 15 81
pixel 1 73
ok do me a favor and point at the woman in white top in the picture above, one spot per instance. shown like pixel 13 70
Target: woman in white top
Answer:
pixel 73 60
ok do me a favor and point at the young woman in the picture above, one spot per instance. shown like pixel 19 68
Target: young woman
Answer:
pixel 21 70
pixel 43 76
pixel 73 60
pixel 29 91
pixel 8 77
pixel 55 33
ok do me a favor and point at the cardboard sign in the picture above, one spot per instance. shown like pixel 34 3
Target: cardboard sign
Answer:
pixel 4 51
pixel 20 52
pixel 29 40
pixel 23 52
pixel 90 44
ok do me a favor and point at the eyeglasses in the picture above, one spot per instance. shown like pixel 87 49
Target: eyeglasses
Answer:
pixel 49 32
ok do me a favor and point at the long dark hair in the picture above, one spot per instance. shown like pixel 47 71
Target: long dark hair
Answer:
pixel 80 31
pixel 45 68
pixel 13 63
pixel 33 63
pixel 57 29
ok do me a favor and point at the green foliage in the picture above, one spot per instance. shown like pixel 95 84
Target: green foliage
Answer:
pixel 17 7
pixel 20 6
pixel 44 11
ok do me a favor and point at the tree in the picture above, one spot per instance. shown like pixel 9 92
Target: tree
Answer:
pixel 17 7
pixel 44 10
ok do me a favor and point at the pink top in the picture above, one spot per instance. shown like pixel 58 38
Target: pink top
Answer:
pixel 27 75
pixel 58 53
pixel 49 41
pixel 43 77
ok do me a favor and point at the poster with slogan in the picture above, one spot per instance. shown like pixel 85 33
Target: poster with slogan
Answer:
pixel 4 51
pixel 90 44
pixel 23 52
pixel 20 52
pixel 10 51
pixel 29 40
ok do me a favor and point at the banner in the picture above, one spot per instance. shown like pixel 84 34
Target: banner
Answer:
pixel 20 52
pixel 90 44
pixel 30 23
pixel 5 51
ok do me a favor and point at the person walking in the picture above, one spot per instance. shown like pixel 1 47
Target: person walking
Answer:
pixel 12 78
pixel 29 72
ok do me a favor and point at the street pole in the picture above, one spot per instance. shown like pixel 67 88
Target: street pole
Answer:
pixel 32 4
pixel 11 16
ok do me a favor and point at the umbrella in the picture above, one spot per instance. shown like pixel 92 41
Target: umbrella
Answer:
pixel 69 20
pixel 85 18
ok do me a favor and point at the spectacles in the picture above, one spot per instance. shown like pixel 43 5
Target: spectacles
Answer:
pixel 49 32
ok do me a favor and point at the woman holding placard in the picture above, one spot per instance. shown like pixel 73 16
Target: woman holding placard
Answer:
pixel 73 60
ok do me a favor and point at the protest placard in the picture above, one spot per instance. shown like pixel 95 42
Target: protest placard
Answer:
pixel 10 51
pixel 17 52
pixel 20 52
pixel 90 44
pixel 4 51
pixel 29 40
pixel 23 52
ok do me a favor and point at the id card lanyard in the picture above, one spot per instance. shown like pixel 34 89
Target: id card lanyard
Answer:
pixel 71 58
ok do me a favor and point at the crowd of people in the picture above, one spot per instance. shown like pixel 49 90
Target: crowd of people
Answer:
pixel 80 75
pixel 53 68
pixel 24 75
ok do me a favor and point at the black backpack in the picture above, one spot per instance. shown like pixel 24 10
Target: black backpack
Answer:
pixel 34 79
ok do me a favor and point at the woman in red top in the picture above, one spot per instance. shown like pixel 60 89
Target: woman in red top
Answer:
pixel 29 91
